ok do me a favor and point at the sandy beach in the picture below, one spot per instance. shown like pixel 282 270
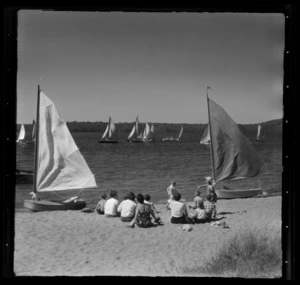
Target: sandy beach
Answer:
pixel 73 243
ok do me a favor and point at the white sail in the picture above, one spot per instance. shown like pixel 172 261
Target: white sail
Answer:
pixel 260 134
pixel 112 128
pixel 134 132
pixel 205 137
pixel 106 132
pixel 180 133
pixel 131 135
pixel 146 132
pixel 233 155
pixel 21 133
pixel 60 165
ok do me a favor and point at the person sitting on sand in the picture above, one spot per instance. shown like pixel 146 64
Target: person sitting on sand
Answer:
pixel 127 208
pixel 100 206
pixel 147 199
pixel 200 215
pixel 210 207
pixel 198 201
pixel 111 205
pixel 143 214
pixel 179 212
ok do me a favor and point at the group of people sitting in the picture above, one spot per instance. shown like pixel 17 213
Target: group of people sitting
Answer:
pixel 205 209
pixel 139 210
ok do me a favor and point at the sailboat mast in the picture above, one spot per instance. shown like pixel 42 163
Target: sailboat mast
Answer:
pixel 36 145
pixel 211 139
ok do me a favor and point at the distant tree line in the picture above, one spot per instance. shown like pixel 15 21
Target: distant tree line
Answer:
pixel 191 132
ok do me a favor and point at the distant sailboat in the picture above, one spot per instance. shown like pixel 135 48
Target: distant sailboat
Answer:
pixel 148 134
pixel 205 137
pixel 232 154
pixel 134 135
pixel 21 136
pixel 109 131
pixel 171 139
pixel 58 163
pixel 260 135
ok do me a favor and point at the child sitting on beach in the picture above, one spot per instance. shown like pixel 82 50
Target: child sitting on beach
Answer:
pixel 210 207
pixel 198 201
pixel 179 212
pixel 111 205
pixel 147 199
pixel 100 206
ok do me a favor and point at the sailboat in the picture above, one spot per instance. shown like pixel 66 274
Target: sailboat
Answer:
pixel 21 136
pixel 205 137
pixel 171 139
pixel 58 163
pixel 134 135
pixel 260 135
pixel 148 135
pixel 25 176
pixel 232 154
pixel 109 131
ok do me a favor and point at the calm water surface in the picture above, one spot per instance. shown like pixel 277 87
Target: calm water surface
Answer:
pixel 149 168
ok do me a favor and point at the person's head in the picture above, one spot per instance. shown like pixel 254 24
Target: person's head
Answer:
pixel 140 198
pixel 147 197
pixel 208 180
pixel 103 196
pixel 131 196
pixel 125 197
pixel 173 183
pixel 197 193
pixel 209 197
pixel 113 194
pixel 176 196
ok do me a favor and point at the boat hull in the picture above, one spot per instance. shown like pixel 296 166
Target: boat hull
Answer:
pixel 108 141
pixel 47 205
pixel 234 194
pixel 136 140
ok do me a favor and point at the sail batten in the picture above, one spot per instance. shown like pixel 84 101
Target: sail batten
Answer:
pixel 233 154
pixel 60 165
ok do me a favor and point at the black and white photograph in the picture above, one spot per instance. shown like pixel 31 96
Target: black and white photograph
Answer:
pixel 149 143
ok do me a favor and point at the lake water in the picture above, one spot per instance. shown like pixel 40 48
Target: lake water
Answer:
pixel 149 168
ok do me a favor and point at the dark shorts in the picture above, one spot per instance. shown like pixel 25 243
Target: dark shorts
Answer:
pixel 182 220
pixel 126 219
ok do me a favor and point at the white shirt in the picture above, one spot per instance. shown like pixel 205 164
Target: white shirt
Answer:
pixel 177 208
pixel 127 208
pixel 110 207
pixel 200 213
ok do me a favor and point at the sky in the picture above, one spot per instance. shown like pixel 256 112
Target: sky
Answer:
pixel 157 66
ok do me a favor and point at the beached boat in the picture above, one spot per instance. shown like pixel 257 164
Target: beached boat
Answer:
pixel 260 135
pixel 134 135
pixel 174 139
pixel 58 163
pixel 232 154
pixel 205 137
pixel 109 132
